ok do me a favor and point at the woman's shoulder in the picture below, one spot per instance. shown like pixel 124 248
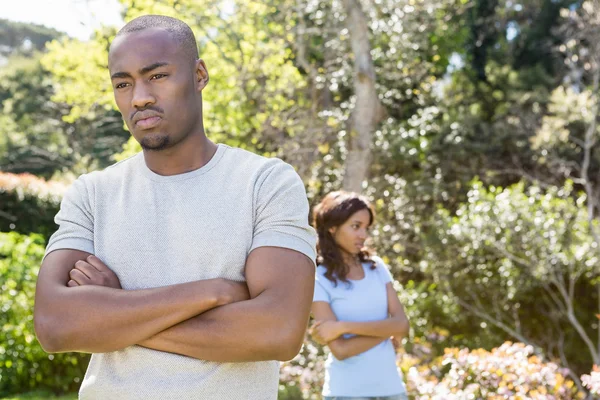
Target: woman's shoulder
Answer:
pixel 378 261
pixel 382 269
pixel 321 278
pixel 320 271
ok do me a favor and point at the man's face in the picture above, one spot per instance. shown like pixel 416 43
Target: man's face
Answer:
pixel 156 87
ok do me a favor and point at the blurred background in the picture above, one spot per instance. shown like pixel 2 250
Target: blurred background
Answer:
pixel 472 125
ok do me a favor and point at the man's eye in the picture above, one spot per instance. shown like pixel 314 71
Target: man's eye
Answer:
pixel 158 76
pixel 121 85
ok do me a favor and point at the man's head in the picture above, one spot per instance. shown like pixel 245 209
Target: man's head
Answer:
pixel 157 80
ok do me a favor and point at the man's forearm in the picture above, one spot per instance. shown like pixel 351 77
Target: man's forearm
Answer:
pixel 254 330
pixel 99 319
pixel 343 348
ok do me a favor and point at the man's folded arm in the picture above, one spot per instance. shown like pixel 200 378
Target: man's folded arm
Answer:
pixel 98 319
pixel 269 326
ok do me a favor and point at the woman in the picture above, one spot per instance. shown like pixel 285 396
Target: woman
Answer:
pixel 355 307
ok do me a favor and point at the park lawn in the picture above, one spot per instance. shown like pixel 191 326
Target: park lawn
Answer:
pixel 41 396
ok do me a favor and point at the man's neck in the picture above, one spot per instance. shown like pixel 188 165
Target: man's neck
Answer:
pixel 192 153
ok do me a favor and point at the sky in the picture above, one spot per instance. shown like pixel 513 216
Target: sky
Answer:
pixel 77 18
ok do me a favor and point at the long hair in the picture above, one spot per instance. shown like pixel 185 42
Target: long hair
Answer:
pixel 333 211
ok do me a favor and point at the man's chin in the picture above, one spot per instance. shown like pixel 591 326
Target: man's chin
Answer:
pixel 155 142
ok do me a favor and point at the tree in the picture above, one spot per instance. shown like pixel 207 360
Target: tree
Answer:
pixel 368 111
pixel 522 259
pixel 24 38
pixel 36 135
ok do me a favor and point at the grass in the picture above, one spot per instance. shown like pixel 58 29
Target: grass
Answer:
pixel 41 396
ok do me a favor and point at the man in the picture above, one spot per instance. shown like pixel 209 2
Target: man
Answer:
pixel 148 265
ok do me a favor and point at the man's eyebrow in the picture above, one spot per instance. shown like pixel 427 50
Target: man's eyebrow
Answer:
pixel 142 71
pixel 150 67
pixel 118 75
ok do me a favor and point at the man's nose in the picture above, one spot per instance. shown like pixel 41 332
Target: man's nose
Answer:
pixel 142 96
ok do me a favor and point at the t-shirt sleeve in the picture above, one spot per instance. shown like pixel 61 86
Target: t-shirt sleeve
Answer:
pixel 75 221
pixel 384 270
pixel 320 293
pixel 281 211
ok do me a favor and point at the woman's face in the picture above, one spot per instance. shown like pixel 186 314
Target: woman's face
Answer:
pixel 351 235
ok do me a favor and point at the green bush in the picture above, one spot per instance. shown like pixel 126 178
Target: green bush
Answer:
pixel 23 364
pixel 29 204
pixel 41 395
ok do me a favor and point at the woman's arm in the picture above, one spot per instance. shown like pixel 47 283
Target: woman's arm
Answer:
pixel 340 347
pixel 395 325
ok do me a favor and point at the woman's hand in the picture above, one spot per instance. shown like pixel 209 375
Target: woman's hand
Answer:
pixel 396 343
pixel 324 332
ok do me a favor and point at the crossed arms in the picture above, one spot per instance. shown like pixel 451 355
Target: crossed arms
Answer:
pixel 80 306
pixel 327 330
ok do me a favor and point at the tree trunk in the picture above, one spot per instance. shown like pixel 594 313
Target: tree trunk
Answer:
pixel 368 110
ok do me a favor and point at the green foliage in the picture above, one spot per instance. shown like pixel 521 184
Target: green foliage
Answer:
pixel 289 392
pixel 24 364
pixel 29 204
pixel 36 135
pixel 521 259
pixel 130 148
pixel 41 395
pixel 24 38
pixel 82 91
pixel 30 136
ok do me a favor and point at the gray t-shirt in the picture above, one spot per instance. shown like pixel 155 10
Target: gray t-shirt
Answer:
pixel 154 230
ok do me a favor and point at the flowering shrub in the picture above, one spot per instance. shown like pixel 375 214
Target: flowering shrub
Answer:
pixel 302 377
pixel 510 371
pixel 30 185
pixel 29 203
pixel 592 381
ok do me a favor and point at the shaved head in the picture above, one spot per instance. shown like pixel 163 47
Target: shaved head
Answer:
pixel 179 31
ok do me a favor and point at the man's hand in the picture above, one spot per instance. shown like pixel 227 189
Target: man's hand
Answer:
pixel 326 331
pixel 92 271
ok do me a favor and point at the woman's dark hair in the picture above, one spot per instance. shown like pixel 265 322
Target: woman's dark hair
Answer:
pixel 333 211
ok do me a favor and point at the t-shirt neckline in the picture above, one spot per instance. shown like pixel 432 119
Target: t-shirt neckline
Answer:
pixel 362 264
pixel 186 175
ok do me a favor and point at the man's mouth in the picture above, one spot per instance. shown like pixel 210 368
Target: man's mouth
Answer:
pixel 147 123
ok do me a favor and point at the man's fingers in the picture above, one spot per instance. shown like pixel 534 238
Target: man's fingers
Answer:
pixel 72 283
pixel 98 264
pixel 88 269
pixel 78 276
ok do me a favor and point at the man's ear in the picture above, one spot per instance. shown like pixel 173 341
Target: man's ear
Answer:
pixel 201 75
